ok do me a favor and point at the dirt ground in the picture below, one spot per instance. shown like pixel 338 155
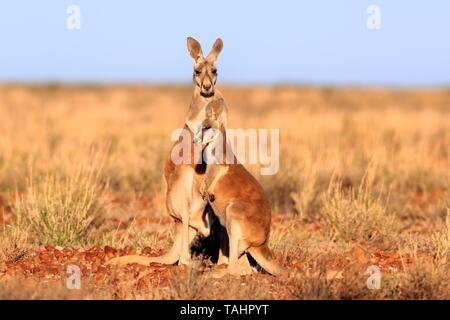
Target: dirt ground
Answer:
pixel 45 269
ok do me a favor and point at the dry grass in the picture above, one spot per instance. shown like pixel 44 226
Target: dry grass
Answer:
pixel 14 244
pixel 366 167
pixel 440 241
pixel 304 198
pixel 61 210
pixel 425 279
pixel 357 215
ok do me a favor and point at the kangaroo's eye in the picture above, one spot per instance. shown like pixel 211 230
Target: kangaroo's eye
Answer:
pixel 214 71
pixel 197 72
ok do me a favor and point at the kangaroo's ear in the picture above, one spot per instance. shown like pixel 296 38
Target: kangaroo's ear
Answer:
pixel 216 49
pixel 195 49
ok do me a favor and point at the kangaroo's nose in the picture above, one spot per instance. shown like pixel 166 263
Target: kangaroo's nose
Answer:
pixel 207 87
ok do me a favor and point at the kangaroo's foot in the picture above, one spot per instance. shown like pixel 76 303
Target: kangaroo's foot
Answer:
pixel 170 257
pixel 244 266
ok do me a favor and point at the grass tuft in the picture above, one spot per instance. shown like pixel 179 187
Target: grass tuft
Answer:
pixel 357 215
pixel 60 210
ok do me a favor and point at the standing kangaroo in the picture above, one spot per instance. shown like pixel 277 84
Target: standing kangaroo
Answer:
pixel 183 199
pixel 237 198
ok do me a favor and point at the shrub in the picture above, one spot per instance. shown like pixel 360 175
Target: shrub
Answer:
pixel 60 210
pixel 357 215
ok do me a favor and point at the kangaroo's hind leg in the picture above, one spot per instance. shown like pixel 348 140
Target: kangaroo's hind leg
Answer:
pixel 224 246
pixel 237 248
pixel 244 264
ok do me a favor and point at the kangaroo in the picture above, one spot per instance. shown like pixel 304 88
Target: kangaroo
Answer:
pixel 238 200
pixel 183 200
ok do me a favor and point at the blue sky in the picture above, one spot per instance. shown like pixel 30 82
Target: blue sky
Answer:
pixel 307 42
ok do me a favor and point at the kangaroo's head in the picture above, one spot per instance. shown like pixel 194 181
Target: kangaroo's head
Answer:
pixel 205 71
pixel 212 126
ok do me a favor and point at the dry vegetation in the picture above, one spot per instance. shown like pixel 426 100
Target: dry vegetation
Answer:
pixel 364 180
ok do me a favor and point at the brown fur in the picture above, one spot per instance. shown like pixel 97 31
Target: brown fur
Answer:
pixel 240 203
pixel 184 201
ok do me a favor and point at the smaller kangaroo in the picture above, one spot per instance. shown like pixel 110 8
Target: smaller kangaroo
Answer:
pixel 238 200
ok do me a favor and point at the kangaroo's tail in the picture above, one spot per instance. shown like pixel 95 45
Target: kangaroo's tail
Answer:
pixel 124 260
pixel 261 254
pixel 169 258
